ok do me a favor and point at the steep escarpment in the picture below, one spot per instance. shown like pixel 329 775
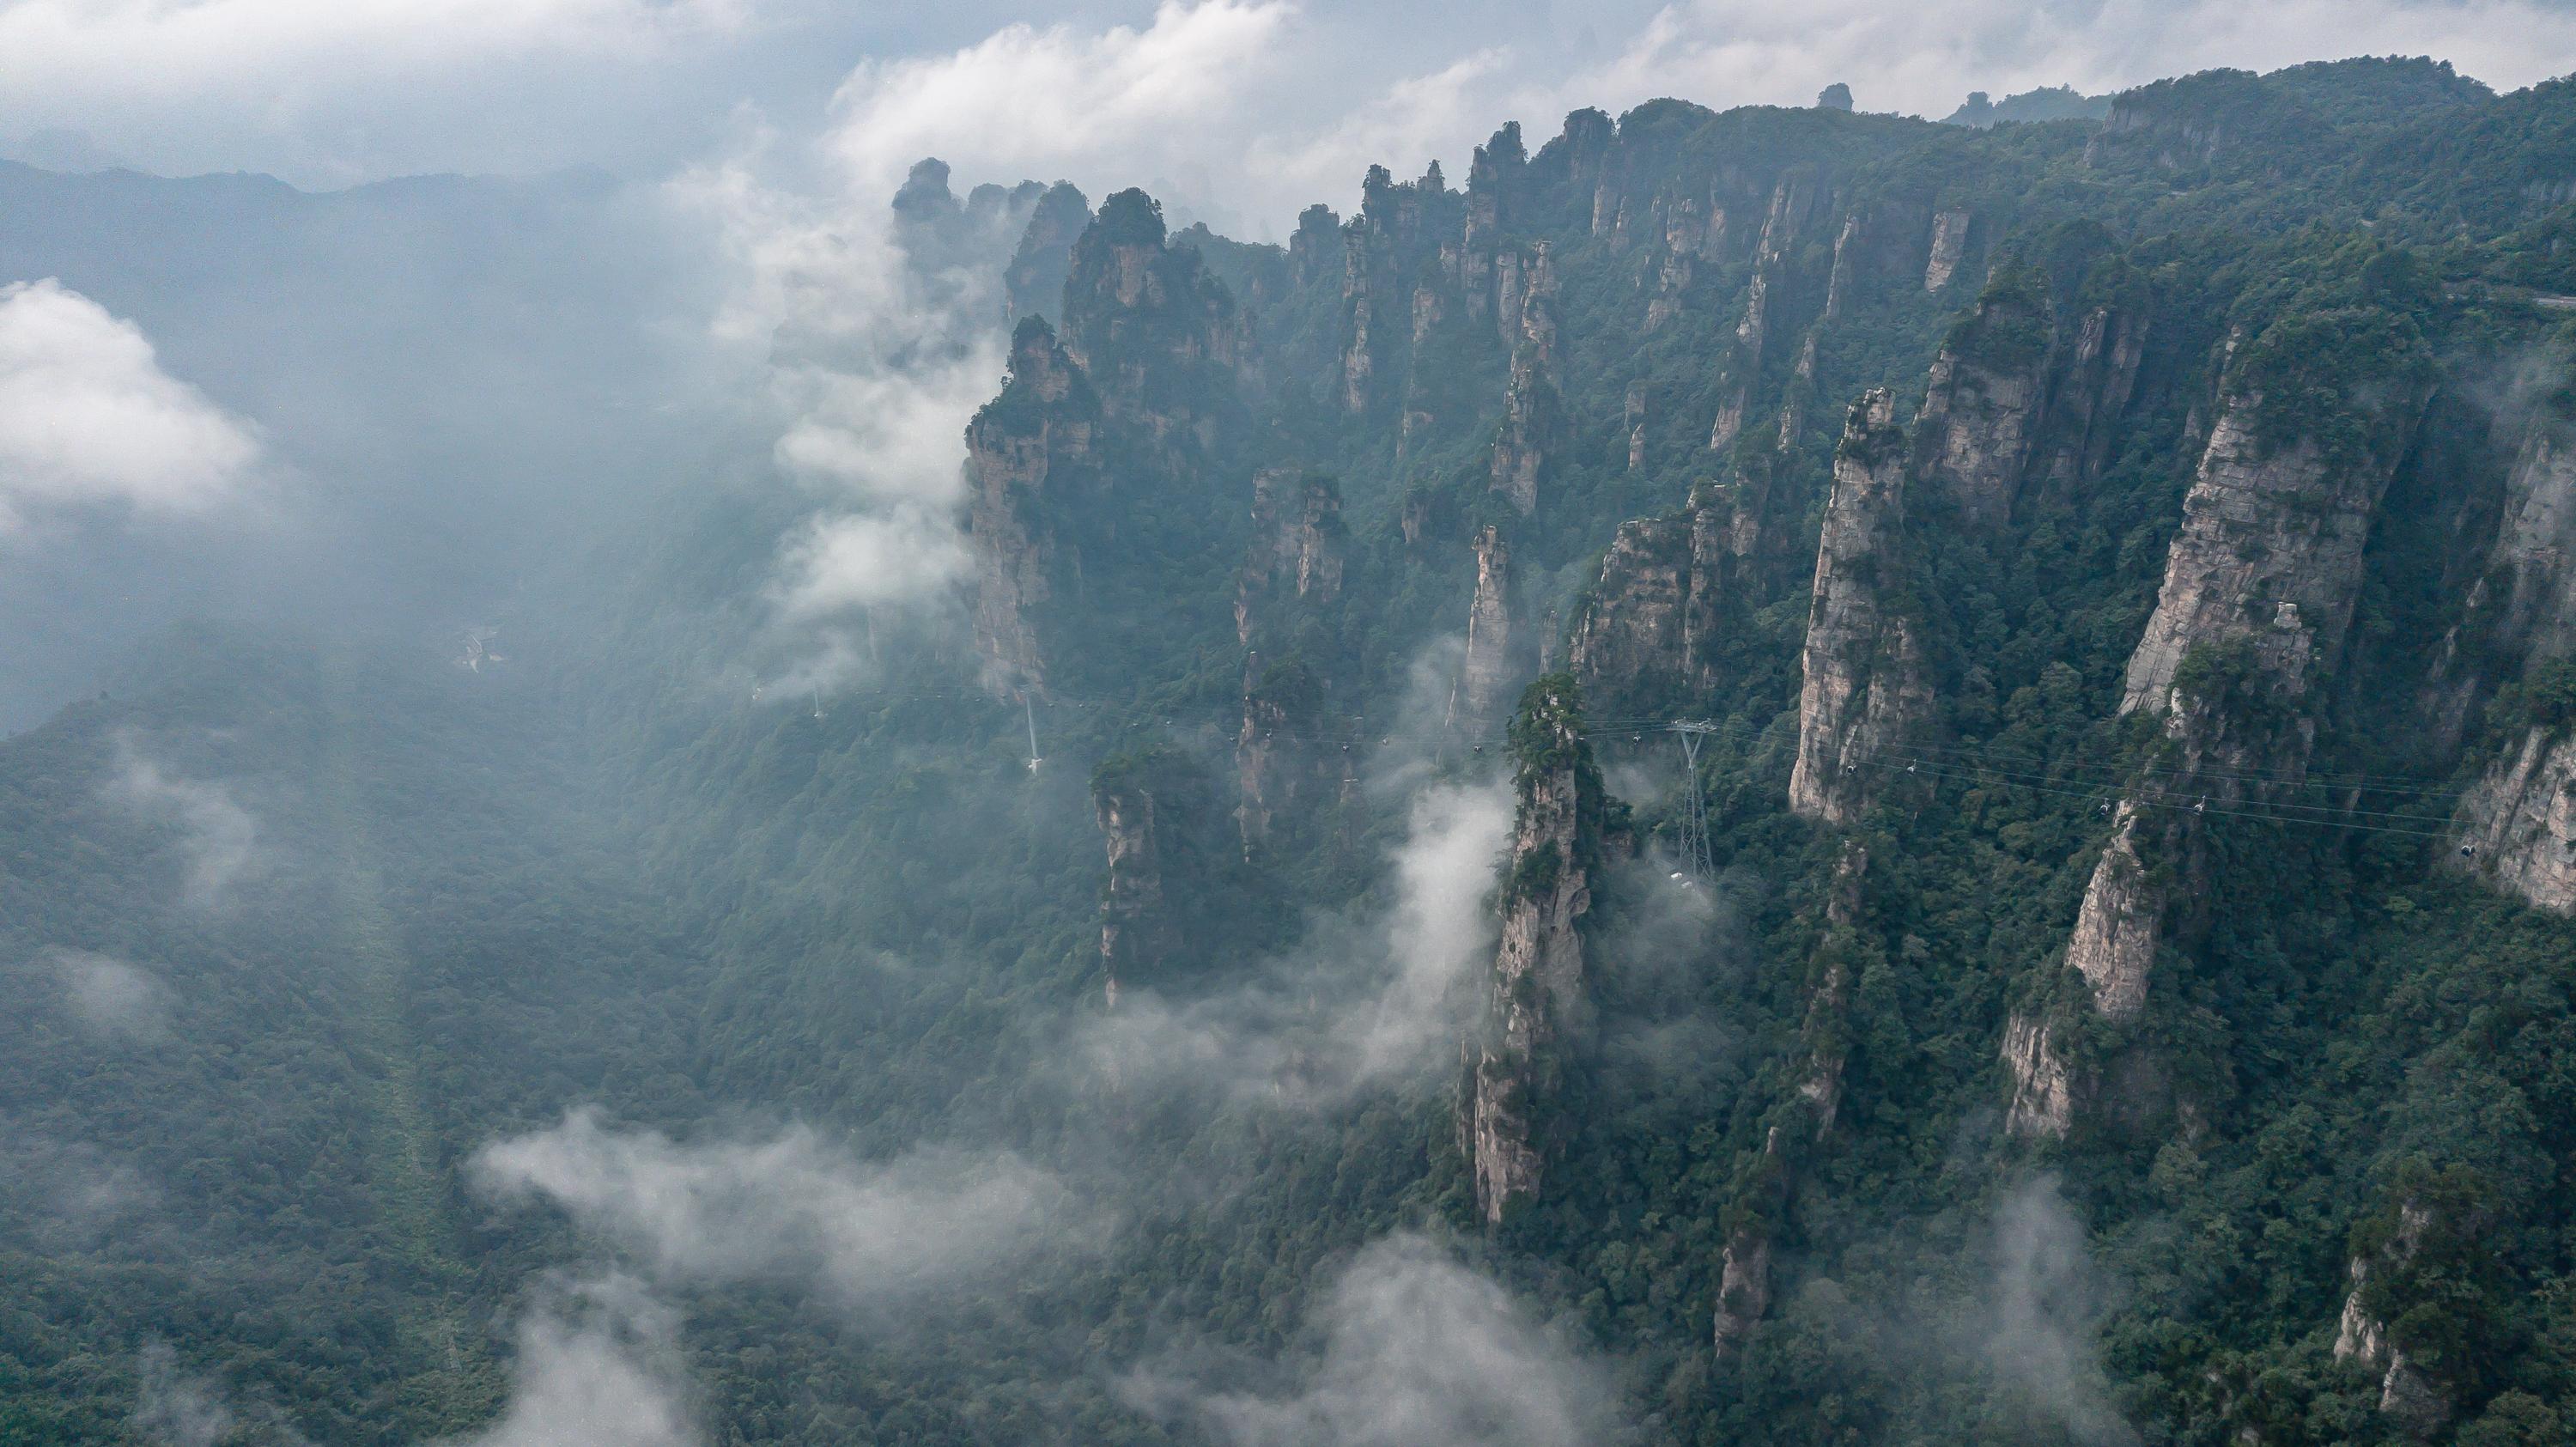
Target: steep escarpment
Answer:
pixel 1135 930
pixel 1865 687
pixel 1667 589
pixel 1531 425
pixel 1292 574
pixel 2259 588
pixel 1031 455
pixel 1162 340
pixel 1534 997
pixel 2517 822
pixel 1982 405
pixel 1497 650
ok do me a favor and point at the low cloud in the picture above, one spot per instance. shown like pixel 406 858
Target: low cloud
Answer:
pixel 1359 1002
pixel 178 1408
pixel 2040 1323
pixel 872 358
pixel 110 997
pixel 790 1207
pixel 1416 1350
pixel 598 1366
pixel 88 418
pixel 218 838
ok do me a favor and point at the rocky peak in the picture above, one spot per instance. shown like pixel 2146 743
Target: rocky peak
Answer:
pixel 2275 515
pixel 1159 337
pixel 1536 994
pixel 1034 285
pixel 1865 684
pixel 1315 249
pixel 1277 754
pixel 2409 1395
pixel 1030 453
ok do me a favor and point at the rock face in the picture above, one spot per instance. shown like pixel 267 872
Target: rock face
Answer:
pixel 1298 543
pixel 1949 244
pixel 2260 584
pixel 1134 930
pixel 1494 653
pixel 1531 420
pixel 1160 339
pixel 2043 1096
pixel 1034 285
pixel 1743 1289
pixel 2091 389
pixel 1667 586
pixel 1865 687
pixel 1536 994
pixel 1277 751
pixel 1029 452
pixel 2265 526
pixel 1982 409
pixel 2409 1396
pixel 1744 1263
pixel 2520 822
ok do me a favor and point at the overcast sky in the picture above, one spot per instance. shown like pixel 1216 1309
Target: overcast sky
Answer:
pixel 1241 108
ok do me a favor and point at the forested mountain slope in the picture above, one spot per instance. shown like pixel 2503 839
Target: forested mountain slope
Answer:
pixel 2095 968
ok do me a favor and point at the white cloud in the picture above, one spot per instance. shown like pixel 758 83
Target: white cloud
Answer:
pixel 1053 101
pixel 789 1207
pixel 598 1366
pixel 1396 989
pixel 2043 1316
pixel 218 838
pixel 87 416
pixel 270 50
pixel 1418 1351
pixel 110 997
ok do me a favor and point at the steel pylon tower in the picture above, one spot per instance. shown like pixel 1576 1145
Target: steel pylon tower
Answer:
pixel 1696 852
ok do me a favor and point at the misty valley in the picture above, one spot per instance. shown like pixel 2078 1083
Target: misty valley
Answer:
pixel 1731 774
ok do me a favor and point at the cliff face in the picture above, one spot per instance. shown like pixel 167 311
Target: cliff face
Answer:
pixel 1135 932
pixel 1667 585
pixel 1982 408
pixel 1034 284
pixel 1536 993
pixel 2260 584
pixel 1161 340
pixel 1278 751
pixel 1531 423
pixel 2418 1403
pixel 1298 542
pixel 2270 548
pixel 1864 685
pixel 1029 452
pixel 2519 821
pixel 1494 652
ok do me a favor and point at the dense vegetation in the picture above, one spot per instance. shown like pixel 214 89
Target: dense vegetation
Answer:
pixel 588 876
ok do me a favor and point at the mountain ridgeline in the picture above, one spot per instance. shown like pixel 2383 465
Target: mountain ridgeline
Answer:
pixel 1916 782
pixel 2121 561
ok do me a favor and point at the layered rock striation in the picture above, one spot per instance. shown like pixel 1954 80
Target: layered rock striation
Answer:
pixel 1535 996
pixel 1865 686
